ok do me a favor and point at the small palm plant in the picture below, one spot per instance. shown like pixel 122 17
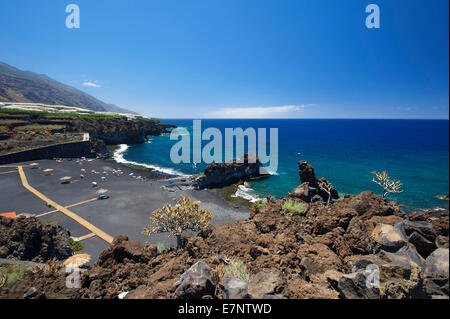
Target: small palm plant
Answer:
pixel 388 184
pixel 184 215
pixel 326 187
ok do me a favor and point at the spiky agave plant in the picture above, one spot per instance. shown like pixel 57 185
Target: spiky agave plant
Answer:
pixel 388 184
pixel 175 219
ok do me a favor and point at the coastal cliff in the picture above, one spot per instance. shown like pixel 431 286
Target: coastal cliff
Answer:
pixel 119 130
pixel 21 130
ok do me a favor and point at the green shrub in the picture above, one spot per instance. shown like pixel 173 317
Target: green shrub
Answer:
pixel 258 205
pixel 237 269
pixel 77 246
pixel 9 274
pixel 161 247
pixel 294 207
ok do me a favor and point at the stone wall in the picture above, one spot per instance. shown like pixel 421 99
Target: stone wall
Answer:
pixel 66 150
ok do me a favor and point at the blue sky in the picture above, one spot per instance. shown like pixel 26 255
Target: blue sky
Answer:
pixel 239 58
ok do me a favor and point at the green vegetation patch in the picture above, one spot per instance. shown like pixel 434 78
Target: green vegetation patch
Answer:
pixel 293 207
pixel 258 205
pixel 9 274
pixel 153 120
pixel 238 269
pixel 38 128
pixel 162 247
pixel 139 167
pixel 77 246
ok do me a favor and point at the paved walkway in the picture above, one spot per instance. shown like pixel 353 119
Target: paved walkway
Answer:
pixel 98 232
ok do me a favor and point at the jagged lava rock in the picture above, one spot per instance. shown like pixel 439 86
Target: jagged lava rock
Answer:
pixel 233 171
pixel 265 283
pixel 122 250
pixel 420 234
pixel 196 283
pixel 27 238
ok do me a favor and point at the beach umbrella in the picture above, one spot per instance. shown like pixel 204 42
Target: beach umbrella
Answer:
pixel 78 260
pixel 65 178
pixel 101 191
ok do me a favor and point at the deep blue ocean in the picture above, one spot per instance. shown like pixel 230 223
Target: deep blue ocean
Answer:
pixel 344 151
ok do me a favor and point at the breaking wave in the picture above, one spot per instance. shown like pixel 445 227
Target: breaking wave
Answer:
pixel 247 193
pixel 118 157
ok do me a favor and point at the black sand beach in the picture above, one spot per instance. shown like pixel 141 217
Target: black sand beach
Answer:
pixel 126 212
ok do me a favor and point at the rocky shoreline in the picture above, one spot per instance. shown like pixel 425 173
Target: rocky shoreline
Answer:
pixel 219 175
pixel 355 246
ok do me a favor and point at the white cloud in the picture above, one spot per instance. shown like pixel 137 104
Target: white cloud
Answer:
pixel 91 84
pixel 285 111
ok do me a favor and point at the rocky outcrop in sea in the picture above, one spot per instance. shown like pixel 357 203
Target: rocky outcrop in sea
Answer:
pixel 224 174
pixel 313 189
pixel 218 175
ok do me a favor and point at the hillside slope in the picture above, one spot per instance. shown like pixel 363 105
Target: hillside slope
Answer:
pixel 29 87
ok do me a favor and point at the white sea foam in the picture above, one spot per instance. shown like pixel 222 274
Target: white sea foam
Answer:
pixel 118 157
pixel 180 128
pixel 247 193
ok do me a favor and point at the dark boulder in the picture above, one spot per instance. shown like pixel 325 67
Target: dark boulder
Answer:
pixel 29 239
pixel 420 234
pixel 233 288
pixel 196 283
pixel 436 273
pixel 306 172
pixel 358 285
